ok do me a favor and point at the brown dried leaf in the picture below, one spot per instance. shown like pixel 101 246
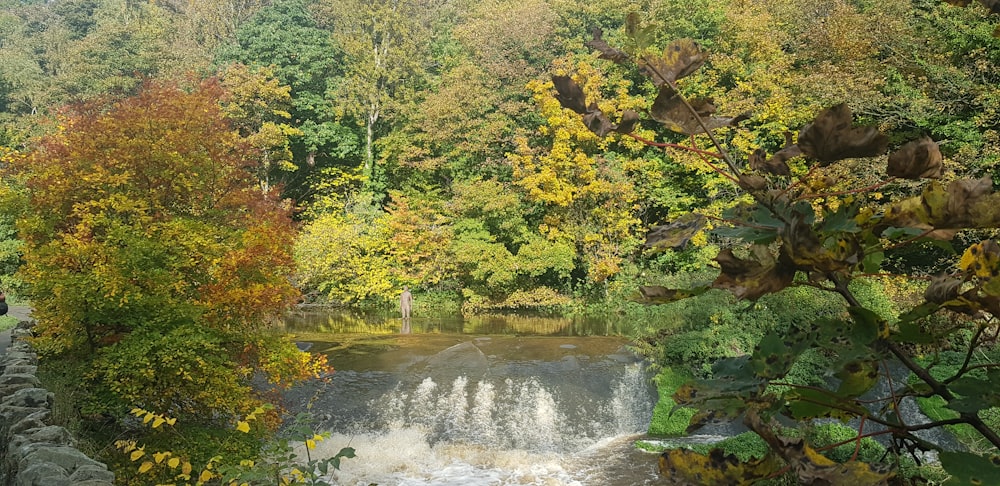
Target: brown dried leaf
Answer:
pixel 963 198
pixel 676 234
pixel 628 122
pixel 752 183
pixel 598 122
pixel 669 109
pixel 751 279
pixel 607 52
pixel 942 289
pixel 681 58
pixel 686 467
pixel 918 159
pixel 569 94
pixel 775 165
pixel 830 137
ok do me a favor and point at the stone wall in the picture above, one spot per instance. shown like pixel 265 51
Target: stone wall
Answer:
pixel 32 451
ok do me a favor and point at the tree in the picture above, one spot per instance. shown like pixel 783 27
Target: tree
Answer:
pixel 256 104
pixel 382 42
pixel 797 231
pixel 284 37
pixel 148 235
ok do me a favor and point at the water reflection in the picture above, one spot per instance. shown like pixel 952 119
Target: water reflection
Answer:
pixel 347 322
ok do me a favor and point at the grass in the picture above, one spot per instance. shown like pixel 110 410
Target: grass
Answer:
pixel 7 322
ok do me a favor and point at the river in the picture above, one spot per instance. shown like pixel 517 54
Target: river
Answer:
pixel 509 400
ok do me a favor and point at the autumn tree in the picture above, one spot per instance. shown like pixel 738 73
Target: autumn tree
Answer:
pixel 148 238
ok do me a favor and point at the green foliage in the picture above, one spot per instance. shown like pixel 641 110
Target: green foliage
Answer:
pixel 234 459
pixel 668 420
pixel 344 257
pixel 829 434
pixel 799 230
pixel 284 37
pixel 7 322
pixel 188 366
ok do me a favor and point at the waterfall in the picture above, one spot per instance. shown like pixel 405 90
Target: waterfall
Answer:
pixel 516 413
pixel 517 430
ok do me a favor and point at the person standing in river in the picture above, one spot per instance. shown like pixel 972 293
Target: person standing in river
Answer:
pixel 405 302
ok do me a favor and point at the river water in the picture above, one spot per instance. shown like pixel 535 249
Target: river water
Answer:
pixel 489 401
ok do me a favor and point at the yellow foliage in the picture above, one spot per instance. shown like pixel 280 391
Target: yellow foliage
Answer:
pixel 205 476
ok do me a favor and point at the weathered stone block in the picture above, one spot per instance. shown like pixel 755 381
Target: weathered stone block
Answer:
pixel 20 369
pixel 42 474
pixel 29 397
pixel 15 379
pixel 28 423
pixel 10 415
pixel 98 473
pixel 65 457
pixel 50 434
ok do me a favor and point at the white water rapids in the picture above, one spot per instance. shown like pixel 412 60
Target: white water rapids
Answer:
pixel 503 431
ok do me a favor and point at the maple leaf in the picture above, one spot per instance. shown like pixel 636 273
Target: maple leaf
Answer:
pixel 753 278
pixel 831 137
pixel 669 109
pixel 569 94
pixel 916 160
pixel 679 59
pixel 675 234
pixel 684 466
pixel 776 164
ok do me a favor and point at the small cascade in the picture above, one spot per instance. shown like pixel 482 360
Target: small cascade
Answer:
pixel 516 430
pixel 516 413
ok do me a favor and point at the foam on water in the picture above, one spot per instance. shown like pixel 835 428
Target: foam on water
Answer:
pixel 504 432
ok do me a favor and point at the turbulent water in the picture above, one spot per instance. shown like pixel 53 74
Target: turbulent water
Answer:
pixel 517 432
pixel 517 411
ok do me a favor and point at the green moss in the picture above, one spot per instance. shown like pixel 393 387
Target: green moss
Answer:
pixel 666 421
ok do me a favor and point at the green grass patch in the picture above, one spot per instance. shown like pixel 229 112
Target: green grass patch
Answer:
pixel 7 322
pixel 666 421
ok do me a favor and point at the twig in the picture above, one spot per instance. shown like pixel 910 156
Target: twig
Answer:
pixel 674 145
pixel 872 187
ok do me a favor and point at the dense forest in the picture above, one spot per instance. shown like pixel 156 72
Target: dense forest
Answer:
pixel 423 142
pixel 165 163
